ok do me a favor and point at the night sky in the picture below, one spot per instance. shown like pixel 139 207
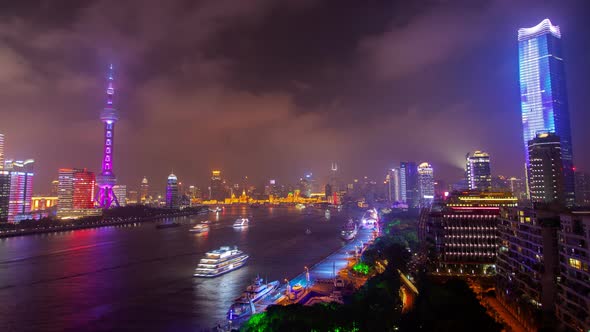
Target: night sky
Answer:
pixel 276 88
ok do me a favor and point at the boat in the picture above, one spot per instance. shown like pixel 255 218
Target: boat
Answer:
pixel 244 305
pixel 307 231
pixel 327 214
pixel 220 261
pixel 300 206
pixel 200 228
pixel 349 230
pixel 257 290
pixel 216 209
pixel 167 225
pixel 241 223
pixel 205 222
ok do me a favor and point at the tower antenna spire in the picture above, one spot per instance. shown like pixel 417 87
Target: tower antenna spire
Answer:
pixel 110 87
pixel 106 180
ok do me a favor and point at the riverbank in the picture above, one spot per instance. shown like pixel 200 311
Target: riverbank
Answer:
pixel 49 227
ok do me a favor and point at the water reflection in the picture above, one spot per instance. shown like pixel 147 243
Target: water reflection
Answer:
pixel 140 278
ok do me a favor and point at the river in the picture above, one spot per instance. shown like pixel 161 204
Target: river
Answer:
pixel 137 277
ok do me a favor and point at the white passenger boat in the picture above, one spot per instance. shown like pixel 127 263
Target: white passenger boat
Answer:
pixel 220 261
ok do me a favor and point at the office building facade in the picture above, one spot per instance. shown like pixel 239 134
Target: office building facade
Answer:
pixel 543 93
pixel 546 183
pixel 478 171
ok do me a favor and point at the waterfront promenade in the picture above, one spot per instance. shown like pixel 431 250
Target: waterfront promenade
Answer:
pixel 326 270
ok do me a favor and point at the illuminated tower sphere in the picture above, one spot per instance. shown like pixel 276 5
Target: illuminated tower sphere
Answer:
pixel 543 94
pixel 106 179
pixel 172 199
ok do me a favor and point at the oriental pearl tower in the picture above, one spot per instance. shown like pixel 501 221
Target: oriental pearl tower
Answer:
pixel 106 179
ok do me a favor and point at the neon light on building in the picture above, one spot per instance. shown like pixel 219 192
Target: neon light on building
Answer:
pixel 543 93
pixel 106 180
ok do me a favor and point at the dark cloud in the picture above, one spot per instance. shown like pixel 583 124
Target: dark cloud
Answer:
pixel 274 88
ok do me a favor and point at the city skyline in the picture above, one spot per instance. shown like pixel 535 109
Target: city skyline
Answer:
pixel 308 125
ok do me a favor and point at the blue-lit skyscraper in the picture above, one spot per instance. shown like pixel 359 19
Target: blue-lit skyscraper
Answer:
pixel 543 93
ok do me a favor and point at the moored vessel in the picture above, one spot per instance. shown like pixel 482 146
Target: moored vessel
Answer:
pixel 349 230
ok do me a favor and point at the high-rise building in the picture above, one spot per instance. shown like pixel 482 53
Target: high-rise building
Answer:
pixel 527 266
pixel 409 192
pixel 518 188
pixel 425 184
pixel 76 194
pixel 132 197
pixel 461 232
pixel 144 190
pixel 545 169
pixel 54 188
pixel 172 197
pixel 65 191
pixel 582 189
pixel 1 151
pixel 477 171
pixel 84 184
pixel 217 190
pixel 120 191
pixel 306 184
pixel 543 94
pixel 334 180
pixel 21 189
pixel 573 292
pixel 393 185
pixel 4 194
pixel 106 180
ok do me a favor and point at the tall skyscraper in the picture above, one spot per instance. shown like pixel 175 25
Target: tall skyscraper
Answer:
pixel 477 171
pixel 393 185
pixel 21 189
pixel 217 190
pixel 144 189
pixel 106 180
pixel 1 151
pixel 76 193
pixel 425 183
pixel 408 175
pixel 545 169
pixel 172 197
pixel 543 94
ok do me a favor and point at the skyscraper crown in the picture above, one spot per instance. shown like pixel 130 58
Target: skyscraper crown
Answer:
pixel 540 29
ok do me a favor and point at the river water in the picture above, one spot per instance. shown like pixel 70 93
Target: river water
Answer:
pixel 138 277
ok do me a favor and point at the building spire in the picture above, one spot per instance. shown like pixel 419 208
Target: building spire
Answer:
pixel 110 88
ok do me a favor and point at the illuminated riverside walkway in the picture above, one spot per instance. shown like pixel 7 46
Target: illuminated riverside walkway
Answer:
pixel 326 269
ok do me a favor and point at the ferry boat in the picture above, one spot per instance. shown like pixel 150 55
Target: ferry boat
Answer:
pixel 244 305
pixel 220 261
pixel 349 230
pixel 258 289
pixel 241 223
pixel 200 228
